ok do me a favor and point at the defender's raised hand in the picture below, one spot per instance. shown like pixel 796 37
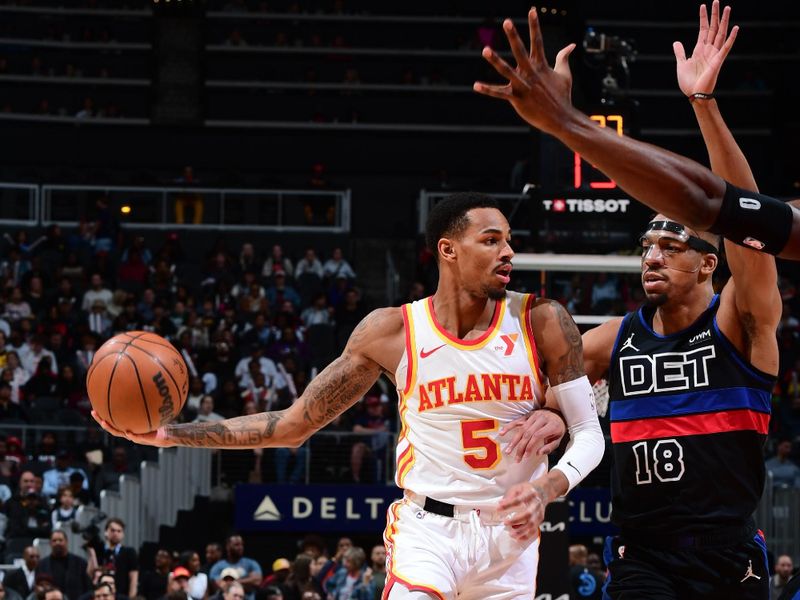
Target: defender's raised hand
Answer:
pixel 539 94
pixel 699 72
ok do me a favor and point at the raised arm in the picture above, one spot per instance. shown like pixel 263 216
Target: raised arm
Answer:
pixel 369 351
pixel 670 184
pixel 756 307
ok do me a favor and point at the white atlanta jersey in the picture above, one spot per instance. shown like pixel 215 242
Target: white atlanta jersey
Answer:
pixel 456 394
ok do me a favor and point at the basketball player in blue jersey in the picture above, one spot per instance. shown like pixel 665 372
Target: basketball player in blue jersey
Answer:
pixel 690 380
pixel 667 183
pixel 466 361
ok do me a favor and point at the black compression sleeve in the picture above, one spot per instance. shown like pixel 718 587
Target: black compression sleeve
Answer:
pixel 753 220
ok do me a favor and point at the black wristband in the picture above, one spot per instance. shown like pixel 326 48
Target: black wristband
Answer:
pixel 700 96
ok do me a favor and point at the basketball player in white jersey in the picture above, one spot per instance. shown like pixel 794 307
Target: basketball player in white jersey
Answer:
pixel 466 362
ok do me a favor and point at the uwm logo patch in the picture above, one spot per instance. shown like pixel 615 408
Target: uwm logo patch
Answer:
pixel 665 372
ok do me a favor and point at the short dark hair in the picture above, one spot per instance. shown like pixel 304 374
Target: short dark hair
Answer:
pixel 449 216
pixel 116 520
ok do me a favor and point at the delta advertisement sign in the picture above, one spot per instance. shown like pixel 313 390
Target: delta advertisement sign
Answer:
pixel 362 508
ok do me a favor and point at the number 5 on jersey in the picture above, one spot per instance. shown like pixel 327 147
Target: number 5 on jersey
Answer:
pixel 486 451
pixel 667 462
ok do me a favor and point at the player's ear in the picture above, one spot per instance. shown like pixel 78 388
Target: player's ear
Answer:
pixel 447 249
pixel 709 264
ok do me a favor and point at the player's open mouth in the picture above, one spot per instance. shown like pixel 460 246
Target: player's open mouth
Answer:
pixel 504 273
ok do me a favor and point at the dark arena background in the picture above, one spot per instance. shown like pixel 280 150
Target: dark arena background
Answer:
pixel 249 178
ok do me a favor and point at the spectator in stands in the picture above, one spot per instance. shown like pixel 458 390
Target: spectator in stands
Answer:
pixel 296 458
pixel 319 313
pixel 248 570
pixel 16 306
pixel 8 593
pixel 309 264
pixel 66 509
pixel 259 332
pixel 277 262
pixel 337 266
pixel 605 292
pixel 300 579
pixel 280 291
pixel 196 393
pixel 348 315
pixel 146 306
pixel 783 573
pixel 33 351
pixel 244 371
pixel 206 412
pixel 69 571
pixel 348 581
pixel 375 575
pixel 279 575
pixel 122 560
pixel 19 375
pixel 44 383
pixel 233 591
pixel 785 472
pixel 22 580
pixel 198 581
pixel 98 320
pixel 213 556
pixel 361 465
pixel 9 411
pixel 77 483
pixel 58 476
pixel 107 477
pixel 102 591
pixel 247 259
pixel 153 583
pixel 96 291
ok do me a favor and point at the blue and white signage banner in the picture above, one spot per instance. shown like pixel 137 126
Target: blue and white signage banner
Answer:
pixel 590 512
pixel 362 508
pixel 356 508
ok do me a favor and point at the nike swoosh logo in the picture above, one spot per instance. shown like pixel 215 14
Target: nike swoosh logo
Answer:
pixel 423 354
pixel 574 467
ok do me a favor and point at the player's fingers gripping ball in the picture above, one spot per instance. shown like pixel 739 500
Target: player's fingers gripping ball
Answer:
pixel 137 382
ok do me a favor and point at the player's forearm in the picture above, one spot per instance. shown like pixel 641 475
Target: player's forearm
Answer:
pixel 268 429
pixel 666 182
pixel 727 159
pixel 333 391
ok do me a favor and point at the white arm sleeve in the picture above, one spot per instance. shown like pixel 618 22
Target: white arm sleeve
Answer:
pixel 586 444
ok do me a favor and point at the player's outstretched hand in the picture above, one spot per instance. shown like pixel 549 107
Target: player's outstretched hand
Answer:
pixel 539 432
pixel 155 438
pixel 523 505
pixel 699 72
pixel 539 94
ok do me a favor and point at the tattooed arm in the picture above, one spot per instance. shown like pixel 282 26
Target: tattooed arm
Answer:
pixel 374 346
pixel 558 341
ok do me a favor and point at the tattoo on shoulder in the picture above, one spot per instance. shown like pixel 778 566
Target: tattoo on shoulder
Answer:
pixel 570 364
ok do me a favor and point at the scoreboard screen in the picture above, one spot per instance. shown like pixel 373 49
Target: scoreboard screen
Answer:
pixel 577 204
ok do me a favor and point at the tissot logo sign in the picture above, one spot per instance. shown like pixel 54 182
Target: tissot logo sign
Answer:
pixel 587 205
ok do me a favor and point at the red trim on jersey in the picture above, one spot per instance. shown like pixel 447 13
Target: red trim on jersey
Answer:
pixel 409 350
pixel 717 422
pixel 392 579
pixel 529 331
pixel 489 330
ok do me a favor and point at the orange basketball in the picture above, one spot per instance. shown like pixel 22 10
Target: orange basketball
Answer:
pixel 137 381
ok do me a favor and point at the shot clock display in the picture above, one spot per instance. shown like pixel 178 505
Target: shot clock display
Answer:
pixel 578 203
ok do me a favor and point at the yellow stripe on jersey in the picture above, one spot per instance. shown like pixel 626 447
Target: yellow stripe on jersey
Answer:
pixel 404 469
pixel 527 336
pixel 477 343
